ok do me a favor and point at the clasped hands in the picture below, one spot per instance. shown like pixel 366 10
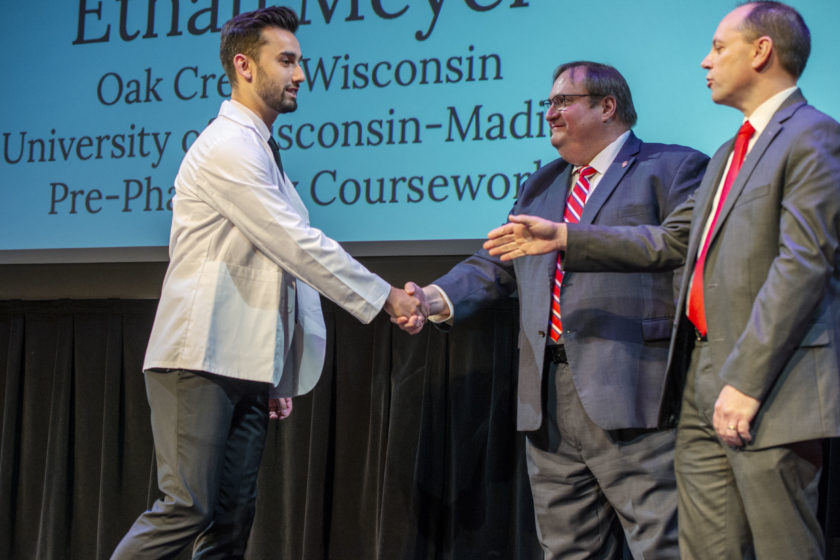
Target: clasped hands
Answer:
pixel 410 307
pixel 407 307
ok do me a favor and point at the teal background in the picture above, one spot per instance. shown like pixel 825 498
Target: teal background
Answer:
pixel 51 84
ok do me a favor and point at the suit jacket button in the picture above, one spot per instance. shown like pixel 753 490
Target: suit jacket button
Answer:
pixel 541 334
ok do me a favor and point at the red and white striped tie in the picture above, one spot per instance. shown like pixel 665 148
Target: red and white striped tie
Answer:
pixel 574 208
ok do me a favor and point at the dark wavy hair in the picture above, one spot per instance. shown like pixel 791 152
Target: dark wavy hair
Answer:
pixel 243 34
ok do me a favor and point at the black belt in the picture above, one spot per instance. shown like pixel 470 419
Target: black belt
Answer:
pixel 556 353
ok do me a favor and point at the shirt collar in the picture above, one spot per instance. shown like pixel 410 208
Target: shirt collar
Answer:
pixel 238 112
pixel 760 118
pixel 602 161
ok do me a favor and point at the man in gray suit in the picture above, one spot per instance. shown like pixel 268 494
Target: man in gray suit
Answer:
pixel 757 342
pixel 591 378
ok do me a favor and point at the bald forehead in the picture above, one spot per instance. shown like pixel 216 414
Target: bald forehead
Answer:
pixel 730 28
pixel 735 18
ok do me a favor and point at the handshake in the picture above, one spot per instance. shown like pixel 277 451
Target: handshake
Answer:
pixel 522 235
pixel 410 307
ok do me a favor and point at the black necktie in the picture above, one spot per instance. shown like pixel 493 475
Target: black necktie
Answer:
pixel 275 149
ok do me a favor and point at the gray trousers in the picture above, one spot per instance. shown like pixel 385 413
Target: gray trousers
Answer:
pixel 590 485
pixel 736 503
pixel 209 434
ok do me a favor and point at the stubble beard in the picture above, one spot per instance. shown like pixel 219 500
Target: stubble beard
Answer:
pixel 274 95
pixel 278 100
pixel 285 105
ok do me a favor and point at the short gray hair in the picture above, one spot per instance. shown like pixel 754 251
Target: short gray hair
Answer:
pixel 785 26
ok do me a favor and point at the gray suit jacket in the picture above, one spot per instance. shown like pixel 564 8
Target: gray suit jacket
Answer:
pixel 771 278
pixel 616 326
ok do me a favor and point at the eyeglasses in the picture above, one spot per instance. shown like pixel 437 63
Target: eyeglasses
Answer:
pixel 561 102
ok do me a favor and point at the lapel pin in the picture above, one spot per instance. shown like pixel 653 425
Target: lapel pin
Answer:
pixel 624 164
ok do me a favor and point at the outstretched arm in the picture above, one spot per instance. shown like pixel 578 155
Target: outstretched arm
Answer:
pixel 526 235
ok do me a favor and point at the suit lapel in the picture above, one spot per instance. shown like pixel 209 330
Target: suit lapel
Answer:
pixel 554 198
pixel 705 198
pixel 553 209
pixel 612 177
pixel 539 269
pixel 773 128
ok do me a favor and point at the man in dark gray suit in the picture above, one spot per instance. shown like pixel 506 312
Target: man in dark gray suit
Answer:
pixel 757 342
pixel 591 378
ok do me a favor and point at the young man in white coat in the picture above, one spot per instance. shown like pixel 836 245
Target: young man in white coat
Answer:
pixel 239 328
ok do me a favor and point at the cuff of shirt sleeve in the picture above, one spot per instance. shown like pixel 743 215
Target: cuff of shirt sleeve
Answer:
pixel 448 319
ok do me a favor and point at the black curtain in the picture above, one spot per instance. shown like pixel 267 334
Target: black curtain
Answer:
pixel 406 449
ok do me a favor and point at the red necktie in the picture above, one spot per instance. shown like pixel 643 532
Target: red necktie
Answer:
pixel 696 310
pixel 574 208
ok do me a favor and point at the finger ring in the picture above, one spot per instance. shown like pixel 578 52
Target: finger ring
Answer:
pixel 730 427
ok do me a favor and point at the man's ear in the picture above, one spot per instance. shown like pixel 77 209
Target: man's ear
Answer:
pixel 244 67
pixel 608 108
pixel 763 52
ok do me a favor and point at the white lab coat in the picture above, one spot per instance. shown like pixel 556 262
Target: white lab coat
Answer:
pixel 238 297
